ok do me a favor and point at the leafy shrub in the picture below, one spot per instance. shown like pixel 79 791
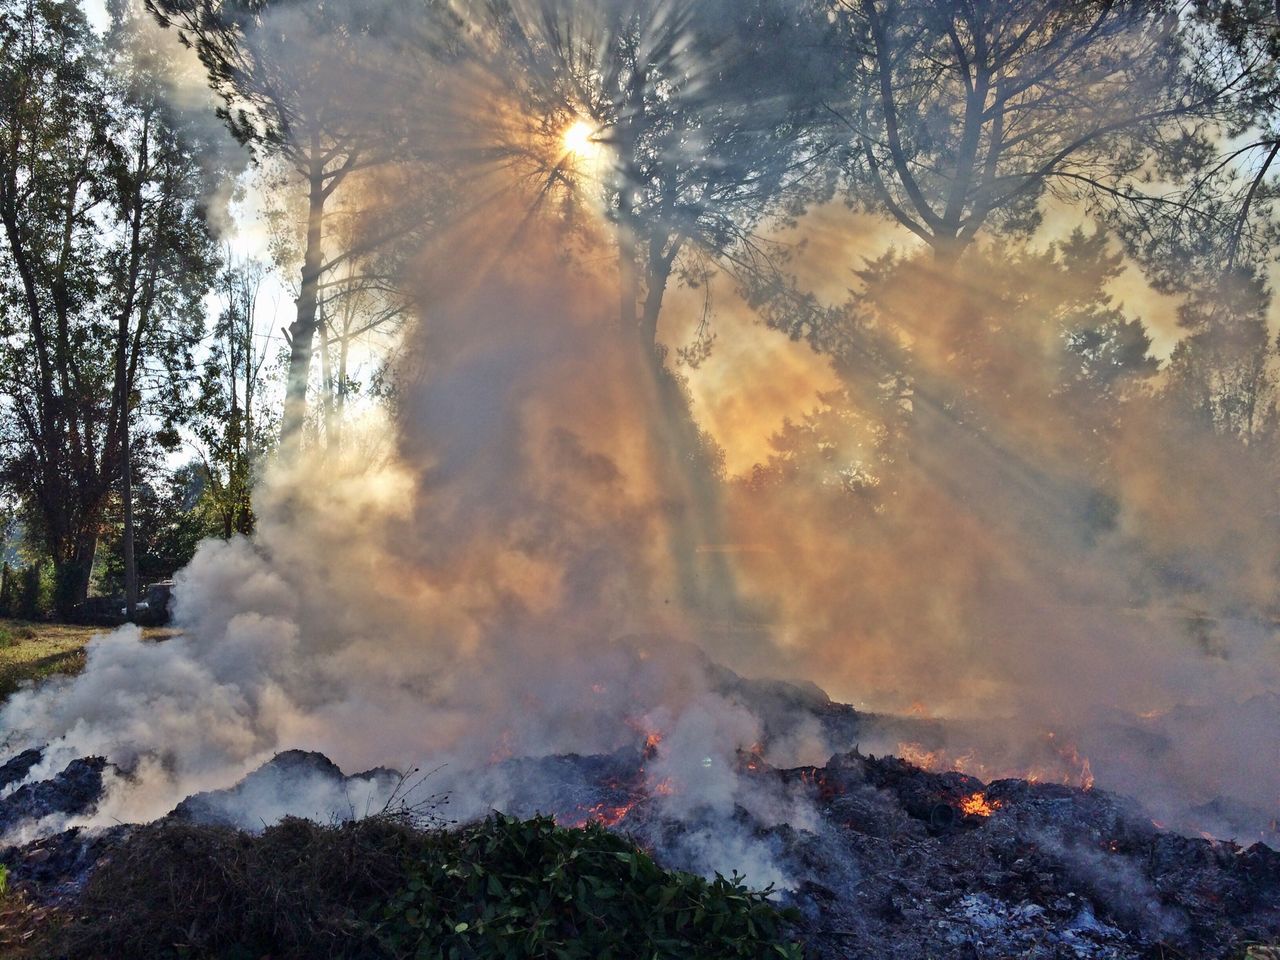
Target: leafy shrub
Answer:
pixel 26 592
pixel 383 889
pixel 506 889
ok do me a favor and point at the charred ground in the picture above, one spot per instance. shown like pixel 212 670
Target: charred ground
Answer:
pixel 898 862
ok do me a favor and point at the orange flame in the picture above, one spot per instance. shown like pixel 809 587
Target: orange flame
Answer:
pixel 917 755
pixel 977 804
pixel 1071 767
pixel 608 815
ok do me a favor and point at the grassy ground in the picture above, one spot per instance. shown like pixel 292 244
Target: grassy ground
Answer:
pixel 33 651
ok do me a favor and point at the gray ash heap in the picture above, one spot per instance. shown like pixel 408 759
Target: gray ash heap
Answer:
pixel 890 859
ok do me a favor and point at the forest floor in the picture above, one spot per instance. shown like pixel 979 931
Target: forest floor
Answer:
pixel 33 650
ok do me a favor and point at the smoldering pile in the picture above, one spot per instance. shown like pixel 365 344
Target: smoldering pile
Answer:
pixel 881 857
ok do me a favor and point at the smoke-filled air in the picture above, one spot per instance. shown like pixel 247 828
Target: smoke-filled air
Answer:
pixel 616 409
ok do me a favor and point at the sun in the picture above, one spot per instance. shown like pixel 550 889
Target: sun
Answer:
pixel 579 138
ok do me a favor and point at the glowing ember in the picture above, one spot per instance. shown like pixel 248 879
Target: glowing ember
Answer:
pixel 977 804
pixel 651 742
pixel 605 814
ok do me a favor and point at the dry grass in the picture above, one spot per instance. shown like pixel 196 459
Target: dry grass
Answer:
pixel 26 927
pixel 299 891
pixel 35 651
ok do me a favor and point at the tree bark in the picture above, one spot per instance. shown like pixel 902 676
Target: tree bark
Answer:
pixel 126 491
pixel 628 277
pixel 73 569
pixel 302 332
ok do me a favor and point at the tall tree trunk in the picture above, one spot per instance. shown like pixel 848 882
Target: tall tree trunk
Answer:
pixel 73 568
pixel 947 249
pixel 302 332
pixel 344 345
pixel 126 494
pixel 659 274
pixel 244 505
pixel 706 581
pixel 326 384
pixel 123 384
pixel 628 276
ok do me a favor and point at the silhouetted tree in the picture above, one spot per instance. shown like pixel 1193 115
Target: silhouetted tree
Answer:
pixel 1226 216
pixel 700 112
pixel 962 116
pixel 297 78
pixel 697 120
pixel 1222 373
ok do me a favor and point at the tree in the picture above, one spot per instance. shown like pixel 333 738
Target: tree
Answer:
pixel 297 80
pixel 687 123
pixel 959 117
pixel 1222 374
pixel 1227 218
pixel 970 463
pixel 105 259
pixel 158 172
pixel 228 415
pixel 173 514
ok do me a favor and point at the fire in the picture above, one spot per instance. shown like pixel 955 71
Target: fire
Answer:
pixel 641 786
pixel 1067 765
pixel 1086 776
pixel 917 755
pixel 977 804
pixel 605 814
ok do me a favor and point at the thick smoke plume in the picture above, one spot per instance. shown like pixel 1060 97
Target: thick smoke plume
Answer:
pixel 448 591
pixel 485 571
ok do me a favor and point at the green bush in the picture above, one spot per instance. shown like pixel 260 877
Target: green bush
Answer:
pixel 384 889
pixel 507 889
pixel 26 592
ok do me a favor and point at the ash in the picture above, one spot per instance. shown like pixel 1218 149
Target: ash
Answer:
pixel 897 862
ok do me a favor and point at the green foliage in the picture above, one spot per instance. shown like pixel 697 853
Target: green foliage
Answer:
pixel 172 514
pixel 384 887
pixel 105 257
pixel 26 591
pixel 507 888
pixel 4 879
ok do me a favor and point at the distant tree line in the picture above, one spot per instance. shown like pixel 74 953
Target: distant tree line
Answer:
pixel 129 339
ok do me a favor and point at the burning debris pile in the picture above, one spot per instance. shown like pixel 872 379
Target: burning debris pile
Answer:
pixel 879 857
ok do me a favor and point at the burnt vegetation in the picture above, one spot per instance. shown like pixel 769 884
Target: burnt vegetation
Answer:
pixel 385 887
